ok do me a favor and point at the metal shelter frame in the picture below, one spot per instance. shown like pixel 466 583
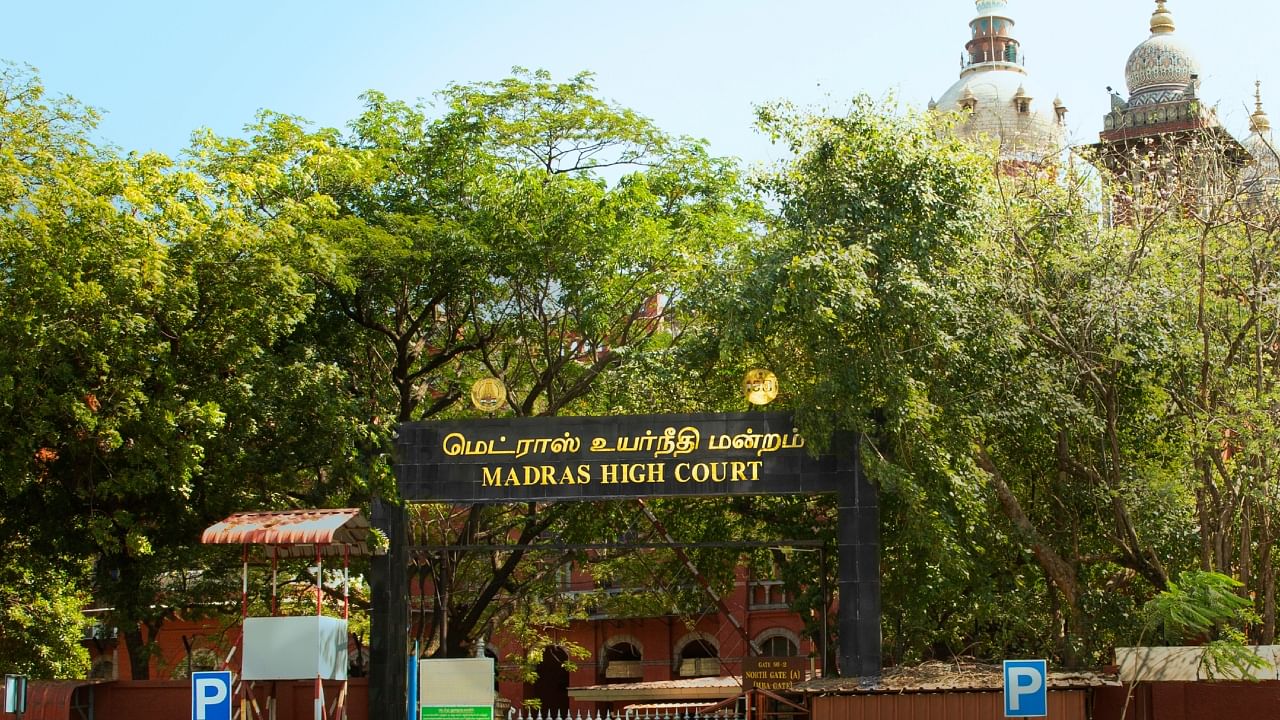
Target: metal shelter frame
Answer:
pixel 293 534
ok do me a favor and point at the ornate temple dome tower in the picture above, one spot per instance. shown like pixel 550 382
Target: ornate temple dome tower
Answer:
pixel 1161 68
pixel 1162 138
pixel 1263 171
pixel 994 91
pixel 1163 79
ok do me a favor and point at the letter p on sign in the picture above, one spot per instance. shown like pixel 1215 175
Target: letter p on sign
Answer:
pixel 211 695
pixel 1025 688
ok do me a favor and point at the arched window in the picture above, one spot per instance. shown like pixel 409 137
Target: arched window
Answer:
pixel 698 656
pixel 622 660
pixel 778 646
pixel 778 642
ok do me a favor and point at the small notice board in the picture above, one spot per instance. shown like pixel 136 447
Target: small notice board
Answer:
pixel 456 689
pixel 773 673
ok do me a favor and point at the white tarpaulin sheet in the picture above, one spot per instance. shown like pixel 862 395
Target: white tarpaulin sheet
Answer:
pixel 295 648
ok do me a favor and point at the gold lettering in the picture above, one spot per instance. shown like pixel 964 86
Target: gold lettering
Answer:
pixel 532 475
pixel 701 473
pixel 687 441
pixel 454 444
pixel 584 474
pixel 647 443
pixel 656 472
pixel 739 471
pixel 600 445
pixel 608 474
pixel 793 442
pixel 524 445
pixel 771 442
pixel 492 477
pixel 457 444
pixel 513 479
pixel 746 440
pixel 566 478
pixel 681 473
pixel 548 475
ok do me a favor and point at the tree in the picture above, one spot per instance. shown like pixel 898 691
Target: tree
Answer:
pixel 530 231
pixel 851 297
pixel 1008 360
pixel 139 311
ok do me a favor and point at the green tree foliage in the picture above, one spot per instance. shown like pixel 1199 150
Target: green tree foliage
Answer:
pixel 529 230
pixel 853 298
pixel 1061 412
pixel 1032 382
pixel 42 622
pixel 140 396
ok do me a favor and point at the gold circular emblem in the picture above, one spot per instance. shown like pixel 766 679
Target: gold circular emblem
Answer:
pixel 489 394
pixel 760 386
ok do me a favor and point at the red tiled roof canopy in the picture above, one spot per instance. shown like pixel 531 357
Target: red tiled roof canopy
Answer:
pixel 295 533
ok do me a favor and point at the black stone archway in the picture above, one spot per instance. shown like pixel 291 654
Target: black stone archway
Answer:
pixel 559 459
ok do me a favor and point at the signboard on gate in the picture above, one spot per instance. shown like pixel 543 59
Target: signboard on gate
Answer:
pixel 593 458
pixel 555 459
pixel 211 695
pixel 773 673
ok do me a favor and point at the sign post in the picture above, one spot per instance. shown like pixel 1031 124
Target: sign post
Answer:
pixel 1026 688
pixel 211 695
pixel 15 694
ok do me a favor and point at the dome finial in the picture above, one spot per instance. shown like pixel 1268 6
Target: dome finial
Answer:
pixel 1258 121
pixel 1161 19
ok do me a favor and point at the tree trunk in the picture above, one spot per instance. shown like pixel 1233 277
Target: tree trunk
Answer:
pixel 139 652
pixel 1267 574
pixel 1061 574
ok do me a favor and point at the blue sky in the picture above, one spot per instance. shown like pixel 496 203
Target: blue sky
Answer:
pixel 162 69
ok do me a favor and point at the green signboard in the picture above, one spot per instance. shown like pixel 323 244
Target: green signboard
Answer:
pixel 457 712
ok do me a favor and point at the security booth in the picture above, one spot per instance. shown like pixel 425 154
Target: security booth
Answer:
pixel 278 648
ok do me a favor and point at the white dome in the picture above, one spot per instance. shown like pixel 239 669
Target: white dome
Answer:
pixel 1263 151
pixel 993 92
pixel 1160 65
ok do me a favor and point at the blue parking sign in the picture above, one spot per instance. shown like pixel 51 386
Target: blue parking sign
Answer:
pixel 1026 691
pixel 211 695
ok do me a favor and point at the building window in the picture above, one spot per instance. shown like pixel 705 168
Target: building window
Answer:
pixel 778 646
pixel 623 661
pixel 767 595
pixel 698 657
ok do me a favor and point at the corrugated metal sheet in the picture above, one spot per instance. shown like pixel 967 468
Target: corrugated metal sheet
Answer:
pixel 704 688
pixel 294 533
pixel 1065 705
pixel 936 676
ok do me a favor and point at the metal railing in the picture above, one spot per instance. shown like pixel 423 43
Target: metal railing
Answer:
pixel 675 712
